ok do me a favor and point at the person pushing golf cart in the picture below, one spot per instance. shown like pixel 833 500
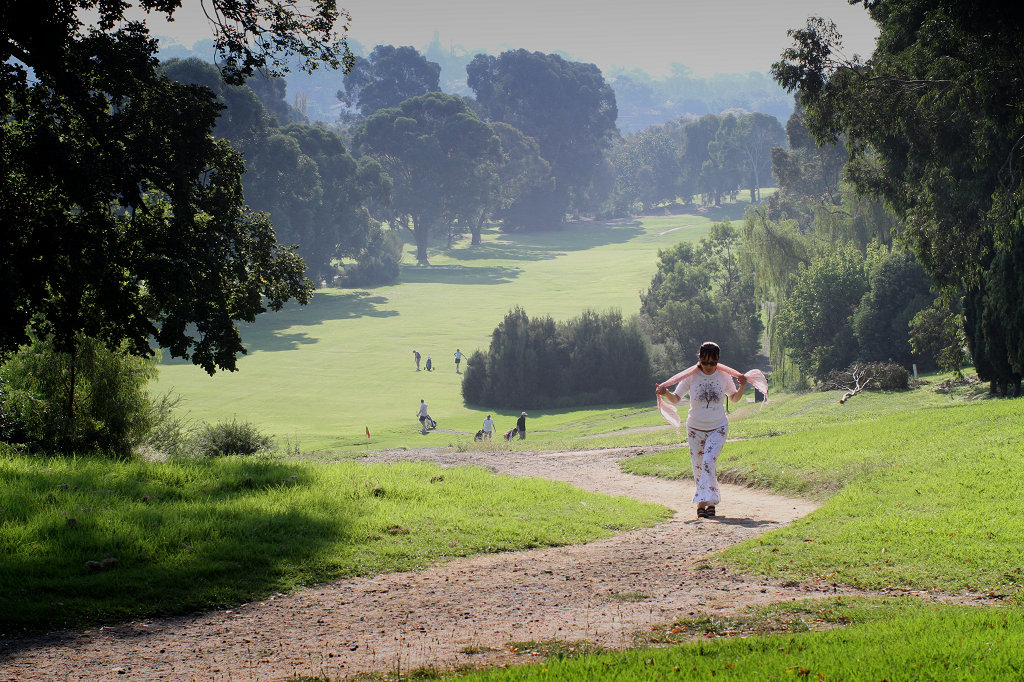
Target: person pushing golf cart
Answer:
pixel 426 423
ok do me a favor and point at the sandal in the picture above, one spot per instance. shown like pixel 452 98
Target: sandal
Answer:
pixel 709 511
pixel 702 513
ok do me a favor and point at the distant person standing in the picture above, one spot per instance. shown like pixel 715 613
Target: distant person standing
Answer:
pixel 430 365
pixel 488 427
pixel 521 426
pixel 458 359
pixel 416 356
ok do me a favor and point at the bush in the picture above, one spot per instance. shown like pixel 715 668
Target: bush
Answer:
pixel 377 264
pixel 231 438
pixel 170 435
pixel 883 376
pixel 86 399
pixel 589 360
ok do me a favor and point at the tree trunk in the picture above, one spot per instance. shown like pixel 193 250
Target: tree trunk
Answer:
pixel 476 228
pixel 421 231
pixel 69 423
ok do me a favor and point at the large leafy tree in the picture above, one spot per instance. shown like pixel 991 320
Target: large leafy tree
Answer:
pixel 816 321
pixel 700 293
pixel 567 107
pixel 121 216
pixel 933 124
pixel 389 76
pixel 432 147
pixel 526 189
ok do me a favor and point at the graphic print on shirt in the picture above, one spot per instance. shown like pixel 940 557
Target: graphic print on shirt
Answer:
pixel 709 392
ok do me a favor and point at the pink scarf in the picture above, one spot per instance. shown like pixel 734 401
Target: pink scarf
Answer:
pixel 755 378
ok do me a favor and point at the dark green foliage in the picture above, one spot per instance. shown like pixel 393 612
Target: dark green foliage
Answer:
pixel 230 438
pixel 590 360
pixel 12 428
pixel 899 288
pixel 937 332
pixel 525 197
pixel 90 399
pixel 123 218
pixel 816 321
pixel 647 171
pixel 314 191
pixel 378 263
pixel 567 107
pixel 700 293
pixel 388 77
pixel 933 127
pixel 432 146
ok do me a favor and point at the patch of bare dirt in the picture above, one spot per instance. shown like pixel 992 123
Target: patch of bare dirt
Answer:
pixel 461 613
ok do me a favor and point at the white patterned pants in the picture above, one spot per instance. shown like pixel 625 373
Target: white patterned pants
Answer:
pixel 705 447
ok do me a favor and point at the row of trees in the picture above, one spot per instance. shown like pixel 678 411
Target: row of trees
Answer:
pixel 932 125
pixel 315 192
pixel 596 358
pixel 713 156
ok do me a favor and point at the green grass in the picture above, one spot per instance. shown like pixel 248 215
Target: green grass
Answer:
pixel 88 541
pixel 879 639
pixel 920 492
pixel 320 374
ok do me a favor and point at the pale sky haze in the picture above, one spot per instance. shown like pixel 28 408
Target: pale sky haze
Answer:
pixel 708 36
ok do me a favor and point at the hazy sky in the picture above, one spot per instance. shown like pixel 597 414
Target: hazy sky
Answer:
pixel 709 36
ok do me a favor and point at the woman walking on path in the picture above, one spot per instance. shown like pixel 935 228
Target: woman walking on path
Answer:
pixel 707 425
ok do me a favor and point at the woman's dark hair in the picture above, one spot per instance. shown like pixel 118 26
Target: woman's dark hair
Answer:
pixel 709 350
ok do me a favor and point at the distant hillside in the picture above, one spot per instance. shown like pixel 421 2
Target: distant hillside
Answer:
pixel 642 99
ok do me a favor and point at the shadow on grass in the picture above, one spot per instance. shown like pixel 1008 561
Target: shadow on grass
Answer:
pixel 546 245
pixel 457 274
pixel 113 543
pixel 273 332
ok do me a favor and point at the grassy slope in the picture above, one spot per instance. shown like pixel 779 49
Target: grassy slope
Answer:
pixel 919 491
pixel 323 372
pixel 181 532
pixel 923 491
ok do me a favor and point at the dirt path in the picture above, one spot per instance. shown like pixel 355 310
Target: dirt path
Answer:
pixel 439 616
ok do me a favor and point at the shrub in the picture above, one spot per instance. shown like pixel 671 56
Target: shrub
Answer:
pixel 883 376
pixel 377 264
pixel 589 360
pixel 170 435
pixel 88 398
pixel 231 438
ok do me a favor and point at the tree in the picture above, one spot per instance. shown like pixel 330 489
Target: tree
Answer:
pixel 431 146
pixel 91 399
pixel 567 107
pixel 592 359
pixel 816 321
pixel 700 293
pixel 122 218
pixel 389 76
pixel 899 288
pixel 525 197
pixel 647 170
pixel 932 125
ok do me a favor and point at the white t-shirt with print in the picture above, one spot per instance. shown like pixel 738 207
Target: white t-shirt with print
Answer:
pixel 707 398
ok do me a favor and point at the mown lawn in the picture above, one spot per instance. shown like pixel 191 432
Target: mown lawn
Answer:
pixel 920 492
pixel 86 541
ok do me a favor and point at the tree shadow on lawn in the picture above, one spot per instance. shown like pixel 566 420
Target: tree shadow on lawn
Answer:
pixel 234 547
pixel 457 274
pixel 549 244
pixel 270 332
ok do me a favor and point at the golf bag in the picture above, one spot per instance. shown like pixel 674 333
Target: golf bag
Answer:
pixel 509 435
